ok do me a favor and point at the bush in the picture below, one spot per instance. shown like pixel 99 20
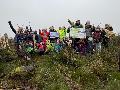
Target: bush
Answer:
pixel 99 71
pixel 7 55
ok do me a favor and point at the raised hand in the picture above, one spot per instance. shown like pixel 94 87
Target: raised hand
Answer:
pixel 9 21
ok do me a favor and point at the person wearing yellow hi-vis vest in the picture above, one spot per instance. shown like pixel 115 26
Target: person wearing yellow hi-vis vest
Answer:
pixel 62 32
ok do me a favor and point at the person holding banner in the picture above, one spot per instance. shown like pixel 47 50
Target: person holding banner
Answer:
pixel 77 34
pixel 74 30
pixel 54 35
pixel 52 29
pixel 78 24
pixel 75 25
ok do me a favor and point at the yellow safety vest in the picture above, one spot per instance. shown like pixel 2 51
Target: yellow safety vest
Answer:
pixel 62 33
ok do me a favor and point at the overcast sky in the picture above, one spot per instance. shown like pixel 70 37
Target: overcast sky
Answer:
pixel 45 13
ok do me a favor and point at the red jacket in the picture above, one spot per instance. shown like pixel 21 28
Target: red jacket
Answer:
pixel 45 36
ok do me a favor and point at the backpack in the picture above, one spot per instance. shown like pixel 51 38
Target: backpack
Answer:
pixel 97 36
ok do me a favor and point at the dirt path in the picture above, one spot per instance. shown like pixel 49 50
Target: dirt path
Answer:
pixel 72 84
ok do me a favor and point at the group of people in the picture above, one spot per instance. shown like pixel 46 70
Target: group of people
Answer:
pixel 53 40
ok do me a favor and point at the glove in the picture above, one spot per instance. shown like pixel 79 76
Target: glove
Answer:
pixel 9 21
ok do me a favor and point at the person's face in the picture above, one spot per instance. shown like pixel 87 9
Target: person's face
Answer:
pixel 88 23
pixel 59 28
pixel 22 31
pixel 78 21
pixel 106 25
pixel 26 27
pixel 42 30
pixel 102 29
pixel 58 41
pixel 72 22
pixel 52 27
pixel 35 32
pixel 97 29
pixel 45 30
pixel 63 27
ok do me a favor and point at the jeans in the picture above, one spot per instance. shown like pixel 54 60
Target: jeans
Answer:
pixel 98 46
pixel 89 47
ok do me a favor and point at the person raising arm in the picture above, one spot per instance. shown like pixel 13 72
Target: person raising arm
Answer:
pixel 11 26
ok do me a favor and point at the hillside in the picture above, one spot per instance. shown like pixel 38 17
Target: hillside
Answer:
pixel 62 71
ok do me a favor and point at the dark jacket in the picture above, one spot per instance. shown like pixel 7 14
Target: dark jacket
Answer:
pixel 11 26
